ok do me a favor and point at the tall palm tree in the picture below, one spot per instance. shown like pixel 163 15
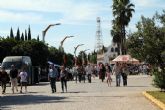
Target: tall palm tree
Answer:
pixel 122 12
pixel 115 32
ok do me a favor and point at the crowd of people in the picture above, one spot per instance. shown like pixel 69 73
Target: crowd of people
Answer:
pixel 103 71
pixel 79 74
pixel 13 77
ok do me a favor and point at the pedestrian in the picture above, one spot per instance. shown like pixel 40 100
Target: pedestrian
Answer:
pixel 52 76
pixel 4 79
pixel 23 79
pixel 89 71
pixel 13 78
pixel 117 72
pixel 80 72
pixel 83 73
pixel 108 74
pixel 63 77
pixel 124 74
pixel 102 71
pixel 75 73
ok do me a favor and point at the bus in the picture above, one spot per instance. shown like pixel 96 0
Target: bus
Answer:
pixel 19 62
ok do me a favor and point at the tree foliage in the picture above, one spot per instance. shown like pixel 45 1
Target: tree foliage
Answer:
pixel 38 51
pixel 122 12
pixel 6 47
pixel 29 33
pixel 26 38
pixel 148 42
pixel 11 33
pixel 17 37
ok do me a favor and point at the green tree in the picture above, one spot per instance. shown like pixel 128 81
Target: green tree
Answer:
pixel 55 56
pixel 18 35
pixel 38 38
pixel 29 33
pixel 70 60
pixel 38 51
pixel 11 33
pixel 122 12
pixel 148 44
pixel 115 32
pixel 22 37
pixel 92 58
pixel 6 47
pixel 26 38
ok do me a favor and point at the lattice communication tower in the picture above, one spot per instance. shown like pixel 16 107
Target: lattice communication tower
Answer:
pixel 99 39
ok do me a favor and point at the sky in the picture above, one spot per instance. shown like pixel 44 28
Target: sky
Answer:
pixel 77 18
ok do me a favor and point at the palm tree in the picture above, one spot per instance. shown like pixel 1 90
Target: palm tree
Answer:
pixel 122 12
pixel 115 32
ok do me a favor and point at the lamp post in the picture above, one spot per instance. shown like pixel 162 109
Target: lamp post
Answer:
pixel 83 52
pixel 61 47
pixel 44 31
pixel 64 40
pixel 75 49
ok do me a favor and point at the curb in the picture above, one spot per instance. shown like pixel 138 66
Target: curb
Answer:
pixel 154 100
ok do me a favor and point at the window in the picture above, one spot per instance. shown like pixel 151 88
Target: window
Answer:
pixel 112 50
pixel 116 49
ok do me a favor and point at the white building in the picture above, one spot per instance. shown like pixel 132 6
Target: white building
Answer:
pixel 112 52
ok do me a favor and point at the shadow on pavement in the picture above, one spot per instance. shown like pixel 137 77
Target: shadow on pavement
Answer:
pixel 40 84
pixel 137 86
pixel 77 92
pixel 29 99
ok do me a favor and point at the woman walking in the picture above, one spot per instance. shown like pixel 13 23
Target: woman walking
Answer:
pixel 102 72
pixel 108 74
pixel 63 77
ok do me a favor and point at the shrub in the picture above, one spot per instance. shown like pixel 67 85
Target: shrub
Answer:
pixel 159 79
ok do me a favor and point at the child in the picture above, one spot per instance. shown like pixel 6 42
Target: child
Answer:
pixel 23 80
pixel 108 74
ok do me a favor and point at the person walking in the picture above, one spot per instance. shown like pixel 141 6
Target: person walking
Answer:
pixel 80 72
pixel 23 79
pixel 83 73
pixel 4 78
pixel 102 72
pixel 75 73
pixel 52 76
pixel 13 78
pixel 89 71
pixel 108 74
pixel 124 74
pixel 117 71
pixel 63 77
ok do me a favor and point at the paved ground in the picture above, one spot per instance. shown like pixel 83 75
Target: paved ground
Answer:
pixel 82 96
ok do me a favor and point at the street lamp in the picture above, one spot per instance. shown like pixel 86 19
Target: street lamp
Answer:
pixel 62 50
pixel 65 39
pixel 44 31
pixel 75 48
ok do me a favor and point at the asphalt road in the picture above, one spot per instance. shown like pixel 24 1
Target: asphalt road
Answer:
pixel 82 96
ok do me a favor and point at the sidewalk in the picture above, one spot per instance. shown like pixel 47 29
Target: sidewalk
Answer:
pixel 82 96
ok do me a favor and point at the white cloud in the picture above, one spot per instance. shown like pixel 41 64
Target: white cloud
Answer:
pixel 72 12
pixel 141 4
pixel 19 17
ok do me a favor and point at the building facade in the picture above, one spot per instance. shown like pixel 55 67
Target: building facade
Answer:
pixel 112 52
